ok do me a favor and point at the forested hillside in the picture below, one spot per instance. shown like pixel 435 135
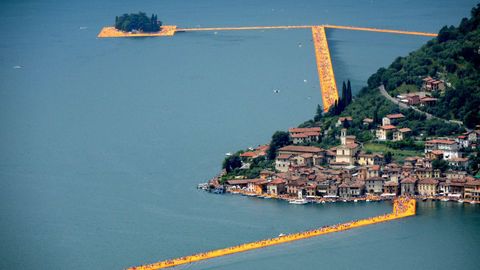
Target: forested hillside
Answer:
pixel 454 56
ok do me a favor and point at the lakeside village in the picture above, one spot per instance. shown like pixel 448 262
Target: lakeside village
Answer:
pixel 302 173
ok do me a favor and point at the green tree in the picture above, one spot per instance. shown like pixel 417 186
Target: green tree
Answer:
pixel 318 114
pixel 279 139
pixel 388 157
pixel 231 163
pixel 440 164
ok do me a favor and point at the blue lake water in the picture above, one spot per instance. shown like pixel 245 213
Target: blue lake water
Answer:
pixel 103 141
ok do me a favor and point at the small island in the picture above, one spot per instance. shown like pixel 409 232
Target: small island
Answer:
pixel 138 22
pixel 137 25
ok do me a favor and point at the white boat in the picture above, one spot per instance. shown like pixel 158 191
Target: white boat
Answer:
pixel 323 201
pixel 228 154
pixel 282 234
pixel 472 202
pixel 444 200
pixel 355 200
pixel 367 200
pixel 298 201
pixel 460 201
pixel 344 200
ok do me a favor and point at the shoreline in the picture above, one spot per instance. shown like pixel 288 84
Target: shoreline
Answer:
pixel 373 198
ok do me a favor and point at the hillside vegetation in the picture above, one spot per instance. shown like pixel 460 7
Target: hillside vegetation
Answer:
pixel 453 56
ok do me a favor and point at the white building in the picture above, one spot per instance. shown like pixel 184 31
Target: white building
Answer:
pixel 449 148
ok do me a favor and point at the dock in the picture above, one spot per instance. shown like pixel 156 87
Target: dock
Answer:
pixel 402 207
pixel 326 75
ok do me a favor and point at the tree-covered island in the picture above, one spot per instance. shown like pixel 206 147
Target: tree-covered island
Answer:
pixel 138 22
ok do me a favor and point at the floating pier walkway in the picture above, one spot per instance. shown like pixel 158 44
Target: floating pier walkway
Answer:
pixel 324 67
pixel 326 75
pixel 402 207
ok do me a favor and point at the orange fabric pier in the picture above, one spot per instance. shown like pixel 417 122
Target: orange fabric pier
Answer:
pixel 325 68
pixel 402 207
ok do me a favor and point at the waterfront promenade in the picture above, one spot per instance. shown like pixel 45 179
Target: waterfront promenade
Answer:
pixel 402 207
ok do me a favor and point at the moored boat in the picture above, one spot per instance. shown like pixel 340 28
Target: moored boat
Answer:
pixel 298 201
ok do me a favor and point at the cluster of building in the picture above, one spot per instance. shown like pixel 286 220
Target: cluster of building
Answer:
pixel 345 171
pixel 388 131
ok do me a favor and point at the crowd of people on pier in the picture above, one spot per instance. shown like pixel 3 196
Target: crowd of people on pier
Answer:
pixel 401 205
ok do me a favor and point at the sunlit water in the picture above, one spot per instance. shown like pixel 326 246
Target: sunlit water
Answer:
pixel 103 141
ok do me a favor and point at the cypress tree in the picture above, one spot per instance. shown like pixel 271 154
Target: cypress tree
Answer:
pixel 349 92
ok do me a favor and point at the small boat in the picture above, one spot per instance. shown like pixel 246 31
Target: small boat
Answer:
pixel 424 199
pixel 17 67
pixel 367 200
pixel 298 201
pixel 203 186
pixel 282 234
pixel 344 200
pixel 472 202
pixel 83 27
pixel 305 80
pixel 355 200
pixel 460 201
pixel 228 154
pixel 444 200
pixel 276 91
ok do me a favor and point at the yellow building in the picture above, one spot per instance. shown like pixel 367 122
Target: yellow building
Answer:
pixel 427 186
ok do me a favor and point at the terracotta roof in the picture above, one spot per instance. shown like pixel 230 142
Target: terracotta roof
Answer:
pixel 409 180
pixel 403 130
pixel 368 120
pixel 428 181
pixel 357 184
pixel 249 154
pixel 390 184
pixel 304 149
pixel 473 182
pixel 388 127
pixel 441 141
pixel 376 179
pixel 395 116
pixel 341 119
pixel 264 147
pixel 243 181
pixel 306 155
pixel 374 167
pixel 305 134
pixel 277 181
pixel 284 156
pixel 426 99
pixel 437 152
pixel 299 135
pixel 302 130
pixel 343 185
